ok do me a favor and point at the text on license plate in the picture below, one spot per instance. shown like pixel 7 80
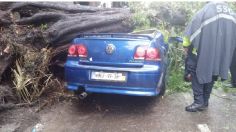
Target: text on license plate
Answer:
pixel 108 76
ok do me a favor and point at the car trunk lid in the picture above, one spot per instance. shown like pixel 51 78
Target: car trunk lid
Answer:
pixel 112 51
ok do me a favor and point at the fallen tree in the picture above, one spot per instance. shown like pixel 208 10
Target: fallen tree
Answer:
pixel 61 22
pixel 64 19
pixel 36 34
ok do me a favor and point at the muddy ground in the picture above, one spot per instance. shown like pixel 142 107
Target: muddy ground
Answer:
pixel 105 113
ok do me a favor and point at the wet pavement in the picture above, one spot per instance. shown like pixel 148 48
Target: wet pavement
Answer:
pixel 116 113
pixel 100 113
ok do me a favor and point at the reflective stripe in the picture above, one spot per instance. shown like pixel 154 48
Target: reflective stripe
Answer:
pixel 212 19
pixel 186 41
pixel 194 51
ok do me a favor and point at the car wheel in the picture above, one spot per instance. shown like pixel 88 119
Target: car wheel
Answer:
pixel 163 88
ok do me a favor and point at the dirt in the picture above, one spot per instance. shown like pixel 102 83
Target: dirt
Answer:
pixel 117 113
pixel 18 120
pixel 6 95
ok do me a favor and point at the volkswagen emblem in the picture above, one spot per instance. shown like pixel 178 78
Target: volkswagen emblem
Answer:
pixel 110 48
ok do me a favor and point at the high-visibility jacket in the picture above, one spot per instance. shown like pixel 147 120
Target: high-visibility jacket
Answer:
pixel 212 32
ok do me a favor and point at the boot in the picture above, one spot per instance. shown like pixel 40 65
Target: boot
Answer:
pixel 206 100
pixel 206 103
pixel 207 92
pixel 206 97
pixel 194 107
pixel 197 105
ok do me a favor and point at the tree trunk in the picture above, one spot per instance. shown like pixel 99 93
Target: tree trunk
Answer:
pixel 39 25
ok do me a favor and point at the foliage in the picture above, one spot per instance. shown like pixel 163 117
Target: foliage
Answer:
pixel 175 80
pixel 31 76
pixel 140 16
pixel 43 27
pixel 225 86
pixel 176 83
pixel 21 82
pixel 232 5
pixel 160 15
pixel 156 13
pixel 176 68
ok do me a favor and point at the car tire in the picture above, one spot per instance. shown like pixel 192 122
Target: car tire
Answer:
pixel 163 87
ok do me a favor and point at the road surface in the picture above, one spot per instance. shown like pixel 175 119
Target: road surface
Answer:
pixel 115 113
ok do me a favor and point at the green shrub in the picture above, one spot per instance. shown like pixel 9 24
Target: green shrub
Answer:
pixel 151 16
pixel 157 15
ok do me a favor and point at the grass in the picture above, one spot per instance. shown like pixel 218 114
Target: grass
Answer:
pixel 21 82
pixel 31 74
pixel 176 83
pixel 225 86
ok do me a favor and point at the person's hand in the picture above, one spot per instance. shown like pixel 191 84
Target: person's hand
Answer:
pixel 185 51
pixel 188 77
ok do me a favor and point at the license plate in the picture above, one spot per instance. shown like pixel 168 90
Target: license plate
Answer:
pixel 108 76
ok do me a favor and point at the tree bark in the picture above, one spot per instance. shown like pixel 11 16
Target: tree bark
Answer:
pixel 39 25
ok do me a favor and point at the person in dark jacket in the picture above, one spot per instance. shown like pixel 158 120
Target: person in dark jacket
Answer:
pixel 233 70
pixel 210 40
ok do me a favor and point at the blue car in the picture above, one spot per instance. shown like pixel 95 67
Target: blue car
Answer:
pixel 117 63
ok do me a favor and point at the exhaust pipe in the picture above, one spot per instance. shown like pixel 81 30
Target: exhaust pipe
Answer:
pixel 83 95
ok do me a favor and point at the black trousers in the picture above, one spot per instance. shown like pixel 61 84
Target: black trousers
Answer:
pixel 201 92
pixel 233 70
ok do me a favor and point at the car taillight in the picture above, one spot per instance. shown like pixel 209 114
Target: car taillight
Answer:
pixel 77 50
pixel 150 53
pixel 82 50
pixel 140 53
pixel 72 50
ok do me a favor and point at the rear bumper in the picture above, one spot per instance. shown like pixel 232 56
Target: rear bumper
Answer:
pixel 113 89
pixel 144 81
